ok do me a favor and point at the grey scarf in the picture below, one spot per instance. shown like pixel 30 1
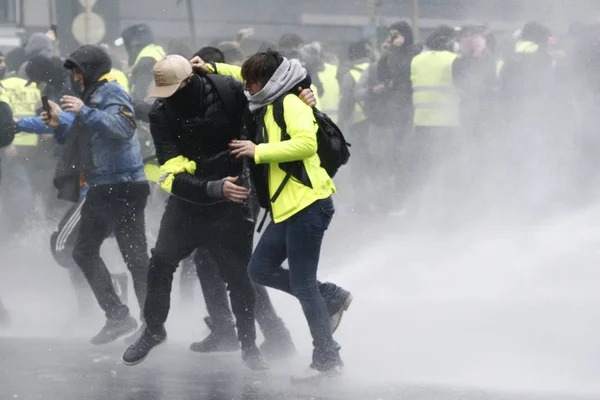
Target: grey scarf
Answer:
pixel 287 76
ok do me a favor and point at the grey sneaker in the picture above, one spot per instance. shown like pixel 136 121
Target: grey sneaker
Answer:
pixel 336 316
pixel 311 375
pixel 114 329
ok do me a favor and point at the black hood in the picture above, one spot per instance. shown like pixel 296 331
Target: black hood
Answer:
pixel 49 70
pixel 405 30
pixel 92 60
pixel 135 38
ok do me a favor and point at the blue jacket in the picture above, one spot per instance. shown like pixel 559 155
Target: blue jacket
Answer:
pixel 107 124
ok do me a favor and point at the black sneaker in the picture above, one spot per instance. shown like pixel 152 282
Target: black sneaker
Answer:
pixel 279 347
pixel 114 329
pixel 217 341
pixel 335 315
pixel 137 352
pixel 254 360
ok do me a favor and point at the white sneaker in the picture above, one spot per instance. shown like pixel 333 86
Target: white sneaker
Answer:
pixel 311 375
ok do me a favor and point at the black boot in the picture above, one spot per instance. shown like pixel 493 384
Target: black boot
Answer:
pixel 137 352
pixel 219 340
pixel 254 360
pixel 114 329
pixel 279 345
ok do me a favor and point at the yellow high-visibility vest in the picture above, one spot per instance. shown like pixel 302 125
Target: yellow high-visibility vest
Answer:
pixel 150 51
pixel 330 100
pixel 435 99
pixel 22 100
pixel 359 114
pixel 121 78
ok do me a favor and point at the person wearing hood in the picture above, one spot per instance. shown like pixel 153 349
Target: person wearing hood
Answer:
pixel 394 98
pixel 301 207
pixel 38 44
pixel 101 148
pixel 143 53
pixel 208 197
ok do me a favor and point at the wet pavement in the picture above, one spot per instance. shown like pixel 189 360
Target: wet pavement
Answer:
pixel 74 370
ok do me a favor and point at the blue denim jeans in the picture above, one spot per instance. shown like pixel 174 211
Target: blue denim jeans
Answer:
pixel 299 239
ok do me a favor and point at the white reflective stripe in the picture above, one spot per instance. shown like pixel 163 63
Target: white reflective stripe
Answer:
pixel 444 89
pixel 69 227
pixel 430 106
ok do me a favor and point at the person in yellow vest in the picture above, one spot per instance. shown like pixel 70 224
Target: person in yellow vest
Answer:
pixel 353 121
pixel 330 97
pixel 143 53
pixel 436 105
pixel 18 193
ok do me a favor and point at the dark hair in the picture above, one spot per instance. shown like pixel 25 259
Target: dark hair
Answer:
pixel 290 41
pixel 439 38
pixel 210 54
pixel 180 47
pixel 260 67
pixel 536 33
pixel 358 50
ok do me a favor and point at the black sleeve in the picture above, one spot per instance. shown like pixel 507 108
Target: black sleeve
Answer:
pixel 7 125
pixel 141 110
pixel 192 188
pixel 141 78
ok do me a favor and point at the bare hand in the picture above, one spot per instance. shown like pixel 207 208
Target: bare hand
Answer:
pixel 242 148
pixel 379 88
pixel 233 192
pixel 10 150
pixel 51 119
pixel 71 104
pixel 199 65
pixel 308 97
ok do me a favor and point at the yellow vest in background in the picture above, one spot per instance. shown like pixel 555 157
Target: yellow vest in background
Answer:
pixel 359 114
pixel 150 51
pixel 435 100
pixel 120 77
pixel 330 100
pixel 22 100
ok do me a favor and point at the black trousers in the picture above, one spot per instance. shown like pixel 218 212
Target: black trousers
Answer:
pixel 118 208
pixel 217 305
pixel 224 229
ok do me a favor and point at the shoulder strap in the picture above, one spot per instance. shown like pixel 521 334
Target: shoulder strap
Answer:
pixel 224 92
pixel 279 116
pixel 280 120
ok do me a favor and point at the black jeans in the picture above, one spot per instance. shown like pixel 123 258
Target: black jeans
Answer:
pixel 217 305
pixel 222 228
pixel 118 208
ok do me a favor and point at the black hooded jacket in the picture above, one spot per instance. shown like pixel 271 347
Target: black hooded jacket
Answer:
pixel 52 72
pixel 198 122
pixel 393 70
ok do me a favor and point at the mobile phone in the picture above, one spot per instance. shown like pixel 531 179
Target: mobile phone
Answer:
pixel 45 104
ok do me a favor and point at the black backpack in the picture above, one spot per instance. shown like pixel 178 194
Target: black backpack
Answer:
pixel 333 149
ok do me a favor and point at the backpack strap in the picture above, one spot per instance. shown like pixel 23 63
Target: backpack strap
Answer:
pixel 280 120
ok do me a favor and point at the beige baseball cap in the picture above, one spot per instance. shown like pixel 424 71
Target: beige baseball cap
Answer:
pixel 168 75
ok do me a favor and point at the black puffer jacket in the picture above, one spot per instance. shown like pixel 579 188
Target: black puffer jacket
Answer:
pixel 195 124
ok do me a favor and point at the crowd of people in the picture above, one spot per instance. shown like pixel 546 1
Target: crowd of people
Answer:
pixel 223 134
